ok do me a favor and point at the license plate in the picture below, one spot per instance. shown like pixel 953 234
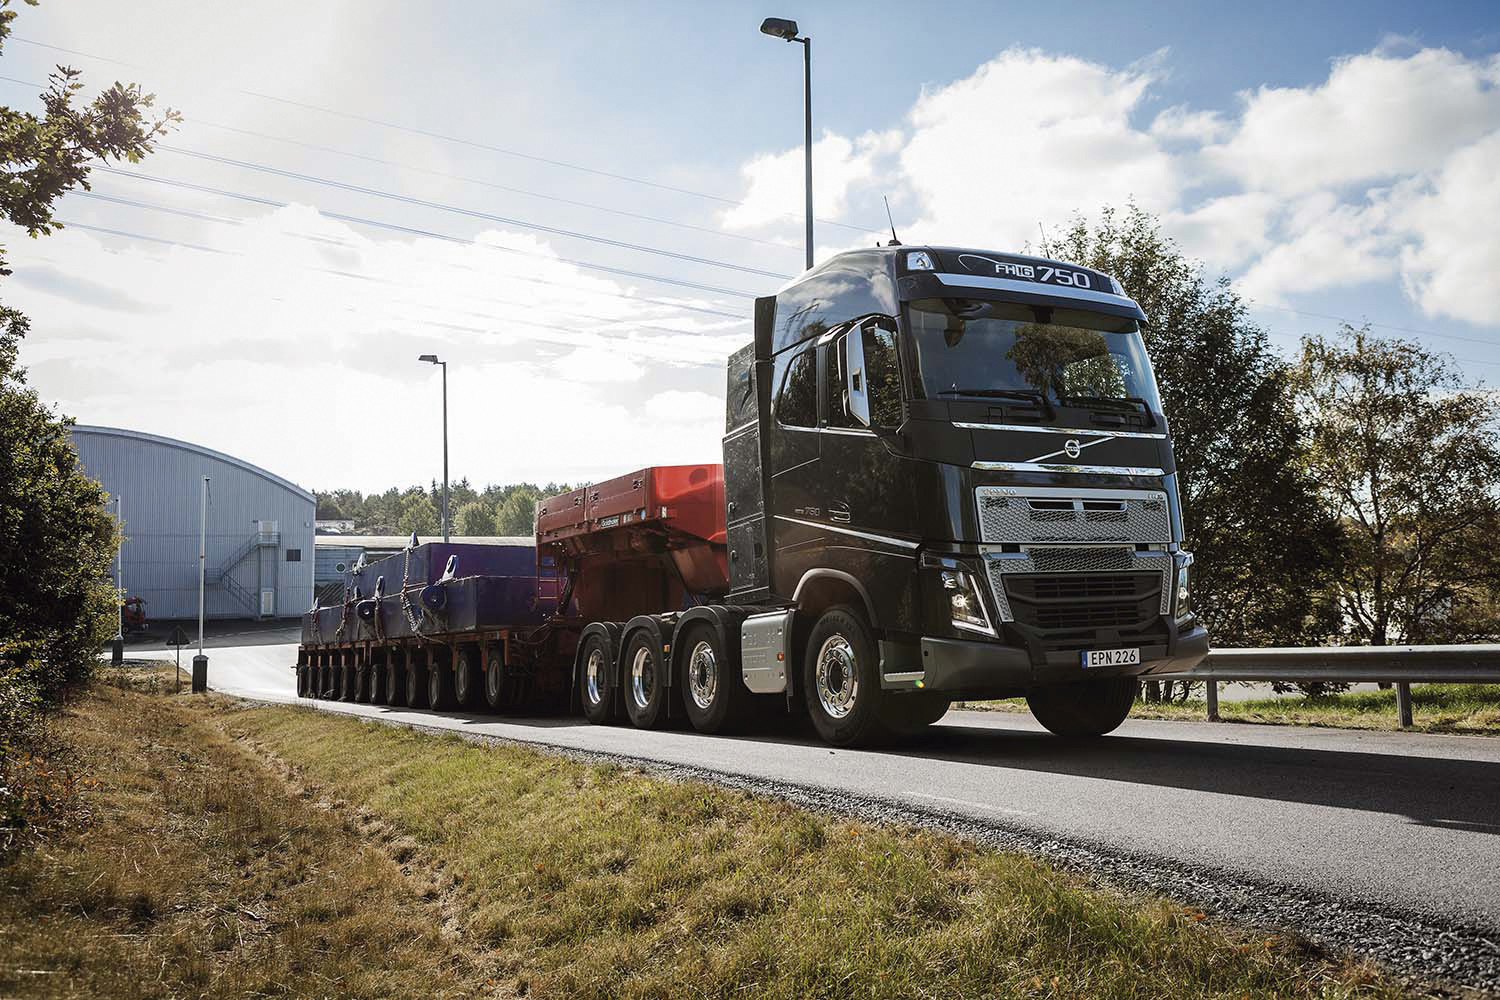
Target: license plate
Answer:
pixel 1110 657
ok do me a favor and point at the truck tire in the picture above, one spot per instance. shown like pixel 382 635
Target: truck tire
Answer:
pixel 909 714
pixel 416 680
pixel 594 672
pixel 439 686
pixel 395 679
pixel 713 695
pixel 1085 708
pixel 494 681
pixel 302 681
pixel 346 680
pixel 644 680
pixel 362 682
pixel 841 679
pixel 466 678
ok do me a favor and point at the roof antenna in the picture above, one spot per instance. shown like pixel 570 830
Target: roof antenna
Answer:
pixel 894 241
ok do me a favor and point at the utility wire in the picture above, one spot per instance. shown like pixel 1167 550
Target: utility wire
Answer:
pixel 459 140
pixel 413 231
pixel 472 213
pixel 1383 326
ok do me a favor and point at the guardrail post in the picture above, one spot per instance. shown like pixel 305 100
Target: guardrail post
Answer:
pixel 1211 695
pixel 1403 704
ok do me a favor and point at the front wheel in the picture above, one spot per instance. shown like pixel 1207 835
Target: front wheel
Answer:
pixel 1083 708
pixel 841 679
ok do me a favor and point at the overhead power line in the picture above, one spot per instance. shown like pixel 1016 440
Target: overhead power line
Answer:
pixel 458 140
pixel 1384 326
pixel 414 231
pixel 472 213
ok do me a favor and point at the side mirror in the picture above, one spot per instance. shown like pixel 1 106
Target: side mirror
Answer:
pixel 855 382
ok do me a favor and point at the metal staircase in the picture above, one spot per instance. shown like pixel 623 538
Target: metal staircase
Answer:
pixel 266 536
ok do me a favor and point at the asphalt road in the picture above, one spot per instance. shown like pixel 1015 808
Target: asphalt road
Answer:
pixel 1386 823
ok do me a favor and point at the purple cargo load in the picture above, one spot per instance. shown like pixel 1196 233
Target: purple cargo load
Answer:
pixel 424 564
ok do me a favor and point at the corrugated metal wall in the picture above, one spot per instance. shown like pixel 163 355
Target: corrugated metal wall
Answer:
pixel 160 480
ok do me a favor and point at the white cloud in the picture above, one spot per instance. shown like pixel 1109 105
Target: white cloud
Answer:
pixel 1377 116
pixel 776 181
pixel 678 407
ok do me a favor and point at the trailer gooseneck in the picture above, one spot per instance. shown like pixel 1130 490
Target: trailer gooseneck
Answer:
pixel 946 474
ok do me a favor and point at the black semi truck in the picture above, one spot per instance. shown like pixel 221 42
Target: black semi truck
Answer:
pixel 946 474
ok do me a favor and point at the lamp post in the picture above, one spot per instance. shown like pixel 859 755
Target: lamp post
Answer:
pixel 200 662
pixel 779 27
pixel 433 359
pixel 117 652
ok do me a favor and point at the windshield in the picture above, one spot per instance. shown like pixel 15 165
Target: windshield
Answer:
pixel 972 347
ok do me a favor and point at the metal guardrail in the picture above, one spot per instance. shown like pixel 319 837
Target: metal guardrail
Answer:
pixel 1402 666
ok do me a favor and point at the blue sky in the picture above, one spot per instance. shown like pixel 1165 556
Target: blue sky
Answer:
pixel 1331 158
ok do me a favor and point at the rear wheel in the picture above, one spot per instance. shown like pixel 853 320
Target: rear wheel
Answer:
pixel 302 680
pixel 362 682
pixel 645 682
pixel 346 680
pixel 595 667
pixel 713 694
pixel 1085 708
pixel 840 678
pixel 466 678
pixel 494 681
pixel 416 680
pixel 439 685
pixel 377 681
pixel 395 679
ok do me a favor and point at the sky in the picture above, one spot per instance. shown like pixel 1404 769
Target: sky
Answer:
pixel 575 205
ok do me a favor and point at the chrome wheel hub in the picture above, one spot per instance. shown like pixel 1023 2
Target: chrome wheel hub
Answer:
pixel 642 677
pixel 835 677
pixel 593 672
pixel 703 675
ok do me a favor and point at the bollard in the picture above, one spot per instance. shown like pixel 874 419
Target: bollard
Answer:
pixel 1211 695
pixel 117 652
pixel 1403 704
pixel 200 674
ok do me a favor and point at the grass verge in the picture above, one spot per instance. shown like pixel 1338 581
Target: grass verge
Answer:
pixel 240 850
pixel 1471 709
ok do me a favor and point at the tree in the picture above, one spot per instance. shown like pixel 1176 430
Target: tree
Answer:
pixel 475 518
pixel 56 539
pixel 1409 459
pixel 418 514
pixel 516 514
pixel 1265 546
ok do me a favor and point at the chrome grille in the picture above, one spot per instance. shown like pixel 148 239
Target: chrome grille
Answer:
pixel 1075 559
pixel 1044 514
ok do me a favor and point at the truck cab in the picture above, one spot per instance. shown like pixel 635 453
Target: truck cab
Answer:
pixel 949 468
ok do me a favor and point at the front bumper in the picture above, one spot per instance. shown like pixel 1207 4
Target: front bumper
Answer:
pixel 964 668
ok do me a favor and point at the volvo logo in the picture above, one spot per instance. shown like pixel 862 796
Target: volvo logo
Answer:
pixel 1073 448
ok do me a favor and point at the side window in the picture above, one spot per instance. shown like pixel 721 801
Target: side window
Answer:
pixel 797 405
pixel 834 386
pixel 885 373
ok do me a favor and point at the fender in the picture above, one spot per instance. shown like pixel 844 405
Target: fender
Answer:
pixel 823 573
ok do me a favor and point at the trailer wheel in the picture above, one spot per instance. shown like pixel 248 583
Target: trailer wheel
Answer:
pixel 329 687
pixel 465 677
pixel 494 681
pixel 594 670
pixel 301 681
pixel 362 681
pixel 416 680
pixel 346 680
pixel 645 682
pixel 377 680
pixel 395 678
pixel 1085 708
pixel 320 677
pixel 841 678
pixel 713 695
pixel 439 685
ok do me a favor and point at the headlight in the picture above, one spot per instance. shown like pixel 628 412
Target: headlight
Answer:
pixel 964 602
pixel 1182 598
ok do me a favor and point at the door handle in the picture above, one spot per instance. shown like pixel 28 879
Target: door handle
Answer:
pixel 839 513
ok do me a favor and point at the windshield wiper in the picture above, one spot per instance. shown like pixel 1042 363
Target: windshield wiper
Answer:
pixel 1132 404
pixel 1035 396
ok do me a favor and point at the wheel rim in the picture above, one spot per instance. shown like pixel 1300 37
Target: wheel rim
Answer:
pixel 492 680
pixel 642 676
pixel 703 675
pixel 461 680
pixel 836 678
pixel 594 675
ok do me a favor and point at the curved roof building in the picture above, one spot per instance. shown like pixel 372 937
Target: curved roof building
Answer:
pixel 259 527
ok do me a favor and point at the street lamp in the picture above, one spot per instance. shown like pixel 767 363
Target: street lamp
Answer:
pixel 433 359
pixel 780 27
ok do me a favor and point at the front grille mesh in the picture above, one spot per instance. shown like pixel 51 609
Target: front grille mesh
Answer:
pixel 1004 517
pixel 1095 567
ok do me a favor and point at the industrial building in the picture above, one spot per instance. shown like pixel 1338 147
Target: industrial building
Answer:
pixel 259 540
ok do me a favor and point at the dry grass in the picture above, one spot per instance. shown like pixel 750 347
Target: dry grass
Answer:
pixel 1469 709
pixel 201 874
pixel 596 881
